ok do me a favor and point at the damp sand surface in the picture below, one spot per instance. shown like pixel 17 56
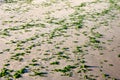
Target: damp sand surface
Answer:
pixel 60 40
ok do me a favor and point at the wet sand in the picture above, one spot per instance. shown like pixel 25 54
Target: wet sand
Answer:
pixel 60 40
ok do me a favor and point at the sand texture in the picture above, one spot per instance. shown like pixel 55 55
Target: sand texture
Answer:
pixel 60 40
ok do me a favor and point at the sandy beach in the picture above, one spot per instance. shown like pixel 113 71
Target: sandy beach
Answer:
pixel 60 40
